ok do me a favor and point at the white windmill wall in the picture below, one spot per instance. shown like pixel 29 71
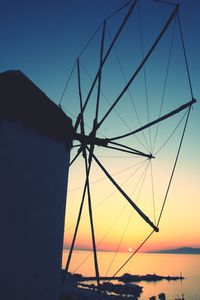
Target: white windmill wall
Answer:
pixel 33 184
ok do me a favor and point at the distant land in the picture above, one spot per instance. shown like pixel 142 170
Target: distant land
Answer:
pixel 183 250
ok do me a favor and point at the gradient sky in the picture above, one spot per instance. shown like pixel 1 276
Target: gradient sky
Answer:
pixel 43 39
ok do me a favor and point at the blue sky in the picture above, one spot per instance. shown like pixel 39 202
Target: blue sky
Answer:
pixel 43 39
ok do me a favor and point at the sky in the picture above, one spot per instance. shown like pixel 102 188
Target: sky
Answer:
pixel 43 40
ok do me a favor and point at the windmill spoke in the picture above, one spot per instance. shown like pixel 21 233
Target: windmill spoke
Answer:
pixel 174 167
pixel 87 140
pixel 114 110
pixel 104 60
pixel 75 157
pixel 131 256
pixel 132 149
pixel 141 65
pixel 100 73
pixel 87 169
pixel 185 57
pixel 129 151
pixel 124 194
pixel 80 97
pixel 76 228
pixel 164 117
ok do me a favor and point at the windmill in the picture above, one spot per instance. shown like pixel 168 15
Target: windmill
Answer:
pixel 36 140
pixel 92 136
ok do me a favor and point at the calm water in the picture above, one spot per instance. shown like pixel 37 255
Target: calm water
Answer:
pixel 146 263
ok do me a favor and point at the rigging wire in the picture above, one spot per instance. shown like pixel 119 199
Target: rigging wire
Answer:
pixel 142 175
pixel 174 167
pixel 114 275
pixel 115 156
pixel 82 51
pixel 142 63
pixel 165 2
pixel 114 110
pixel 118 10
pixel 88 43
pixel 165 198
pixel 100 77
pixel 68 112
pixel 131 202
pixel 128 90
pixel 142 179
pixel 66 85
pixel 119 244
pixel 142 182
pixel 185 56
pixel 129 148
pixel 75 157
pixel 104 60
pixel 162 118
pixel 175 163
pixel 90 40
pixel 112 193
pixel 105 235
pixel 172 133
pixel 165 83
pixel 153 194
pixel 112 174
pixel 144 73
pixel 166 195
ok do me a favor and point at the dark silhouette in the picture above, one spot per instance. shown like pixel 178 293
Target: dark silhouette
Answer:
pixel 35 137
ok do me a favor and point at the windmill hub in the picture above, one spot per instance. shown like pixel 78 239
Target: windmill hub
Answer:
pixel 90 140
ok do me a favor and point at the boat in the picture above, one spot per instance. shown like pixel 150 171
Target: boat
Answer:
pixel 180 298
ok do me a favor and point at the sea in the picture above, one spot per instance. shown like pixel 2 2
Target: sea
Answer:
pixel 187 265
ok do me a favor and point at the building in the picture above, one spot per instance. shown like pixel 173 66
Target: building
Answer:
pixel 35 140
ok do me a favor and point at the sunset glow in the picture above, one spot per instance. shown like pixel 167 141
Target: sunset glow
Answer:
pixel 118 226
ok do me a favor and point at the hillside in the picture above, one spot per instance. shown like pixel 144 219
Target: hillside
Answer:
pixel 183 250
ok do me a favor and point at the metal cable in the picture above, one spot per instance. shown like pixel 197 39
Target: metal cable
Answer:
pixel 185 56
pixel 165 83
pixel 128 90
pixel 174 167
